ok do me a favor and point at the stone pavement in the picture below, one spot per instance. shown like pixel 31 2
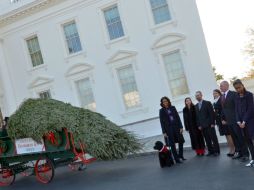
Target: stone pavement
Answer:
pixel 148 143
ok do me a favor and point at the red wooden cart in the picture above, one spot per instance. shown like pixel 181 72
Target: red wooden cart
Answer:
pixel 27 157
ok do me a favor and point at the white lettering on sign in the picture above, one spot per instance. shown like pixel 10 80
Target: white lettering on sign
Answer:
pixel 28 145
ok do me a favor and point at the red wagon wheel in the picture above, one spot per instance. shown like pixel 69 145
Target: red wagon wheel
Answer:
pixel 7 176
pixel 44 170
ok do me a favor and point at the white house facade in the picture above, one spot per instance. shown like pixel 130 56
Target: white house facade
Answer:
pixel 115 57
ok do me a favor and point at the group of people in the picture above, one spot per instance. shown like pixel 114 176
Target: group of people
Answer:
pixel 231 111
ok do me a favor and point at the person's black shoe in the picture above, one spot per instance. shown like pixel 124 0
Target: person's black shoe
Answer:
pixel 209 154
pixel 182 158
pixel 244 159
pixel 236 156
pixel 179 162
pixel 230 155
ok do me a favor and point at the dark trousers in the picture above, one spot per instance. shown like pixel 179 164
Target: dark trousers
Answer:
pixel 238 139
pixel 170 143
pixel 180 150
pixel 248 142
pixel 174 152
pixel 211 140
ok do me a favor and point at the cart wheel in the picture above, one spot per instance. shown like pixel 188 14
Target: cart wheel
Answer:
pixel 44 170
pixel 7 177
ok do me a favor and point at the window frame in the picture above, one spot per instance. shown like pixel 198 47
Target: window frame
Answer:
pixel 35 91
pixel 73 78
pixel 31 67
pixel 106 24
pixel 166 74
pixel 152 10
pixel 120 86
pixel 108 43
pixel 60 23
pixel 165 44
pixel 170 23
pixel 113 66
pixel 43 91
pixel 84 77
pixel 65 39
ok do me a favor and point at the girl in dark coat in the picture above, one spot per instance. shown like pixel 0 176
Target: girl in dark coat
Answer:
pixel 172 128
pixel 223 129
pixel 245 116
pixel 189 116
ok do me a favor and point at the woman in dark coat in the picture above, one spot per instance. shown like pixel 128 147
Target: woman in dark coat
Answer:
pixel 190 123
pixel 245 116
pixel 223 129
pixel 172 128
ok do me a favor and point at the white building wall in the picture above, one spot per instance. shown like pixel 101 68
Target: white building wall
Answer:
pixel 142 46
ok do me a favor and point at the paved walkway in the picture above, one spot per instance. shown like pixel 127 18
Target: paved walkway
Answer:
pixel 144 173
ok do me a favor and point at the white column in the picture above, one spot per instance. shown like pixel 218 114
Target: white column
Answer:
pixel 7 94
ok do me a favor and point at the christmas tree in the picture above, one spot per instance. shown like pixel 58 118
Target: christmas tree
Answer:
pixel 103 139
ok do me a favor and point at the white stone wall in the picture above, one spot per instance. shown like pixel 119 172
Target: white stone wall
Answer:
pixel 143 46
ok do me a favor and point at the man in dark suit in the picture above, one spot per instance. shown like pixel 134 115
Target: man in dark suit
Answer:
pixel 228 99
pixel 206 123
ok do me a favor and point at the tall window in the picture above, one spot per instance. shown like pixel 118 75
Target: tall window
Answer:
pixel 45 94
pixel 34 51
pixel 129 87
pixel 175 73
pixel 114 24
pixel 72 37
pixel 160 11
pixel 86 94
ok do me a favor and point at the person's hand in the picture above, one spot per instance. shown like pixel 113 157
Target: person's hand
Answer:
pixel 181 131
pixel 212 126
pixel 200 128
pixel 224 122
pixel 165 134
